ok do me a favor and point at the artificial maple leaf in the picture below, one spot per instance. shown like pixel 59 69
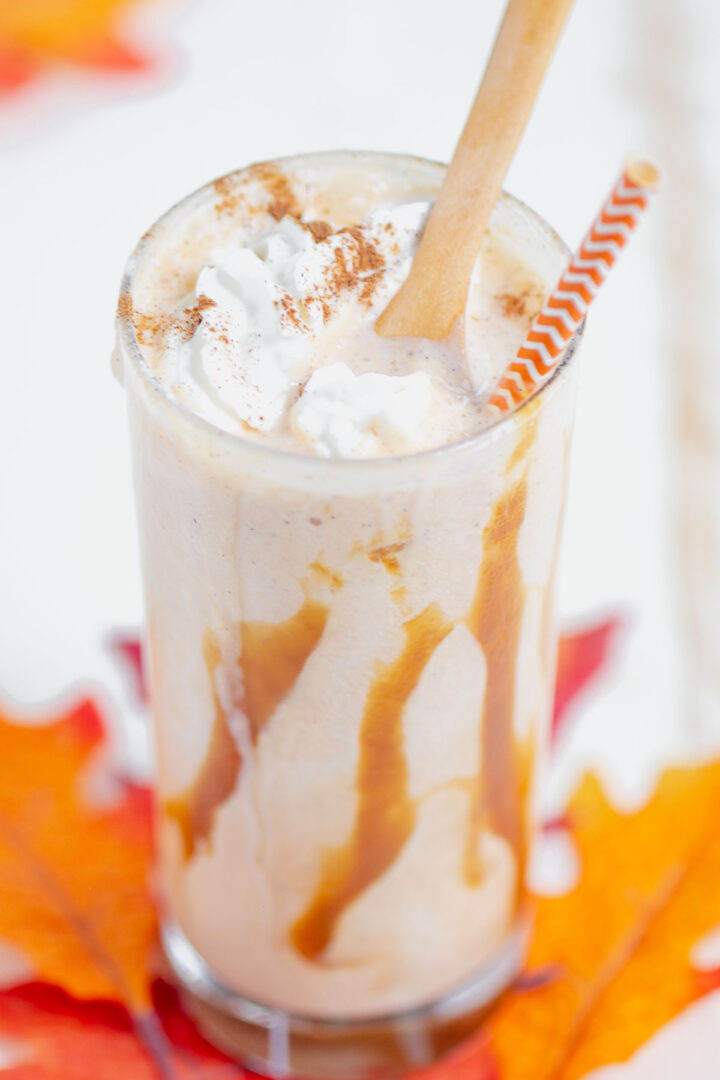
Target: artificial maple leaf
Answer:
pixel 581 657
pixel 619 943
pixel 609 963
pixel 672 898
pixel 73 877
pixel 129 651
pixel 38 34
pixel 470 1061
pixel 48 1035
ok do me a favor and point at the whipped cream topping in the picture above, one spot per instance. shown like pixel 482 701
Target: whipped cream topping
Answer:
pixel 266 319
pixel 347 415
pixel 276 338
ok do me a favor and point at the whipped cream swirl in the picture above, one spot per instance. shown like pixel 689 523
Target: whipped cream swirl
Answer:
pixel 275 320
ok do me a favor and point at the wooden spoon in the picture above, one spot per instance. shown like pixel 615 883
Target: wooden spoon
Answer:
pixel 435 292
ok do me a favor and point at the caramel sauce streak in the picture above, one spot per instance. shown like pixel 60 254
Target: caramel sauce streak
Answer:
pixel 194 810
pixel 326 575
pixel 495 619
pixel 387 555
pixel 385 815
pixel 273 655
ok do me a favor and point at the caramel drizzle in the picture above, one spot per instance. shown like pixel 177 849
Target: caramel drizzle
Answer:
pixel 326 575
pixel 495 619
pixel 385 815
pixel 387 555
pixel 194 810
pixel 273 656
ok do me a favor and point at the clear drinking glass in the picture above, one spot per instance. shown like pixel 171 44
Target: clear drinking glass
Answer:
pixel 352 666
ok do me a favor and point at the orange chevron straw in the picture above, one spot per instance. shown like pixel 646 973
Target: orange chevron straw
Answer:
pixel 564 311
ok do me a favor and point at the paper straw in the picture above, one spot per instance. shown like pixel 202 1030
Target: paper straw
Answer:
pixel 564 311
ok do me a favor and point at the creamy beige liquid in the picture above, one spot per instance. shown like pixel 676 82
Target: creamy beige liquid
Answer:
pixel 351 661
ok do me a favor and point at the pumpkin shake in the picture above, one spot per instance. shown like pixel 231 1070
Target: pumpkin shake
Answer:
pixel 348 562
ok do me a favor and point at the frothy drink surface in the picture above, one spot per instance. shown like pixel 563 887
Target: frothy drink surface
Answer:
pixel 263 323
pixel 351 662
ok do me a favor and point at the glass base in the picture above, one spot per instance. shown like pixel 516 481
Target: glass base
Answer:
pixel 281 1044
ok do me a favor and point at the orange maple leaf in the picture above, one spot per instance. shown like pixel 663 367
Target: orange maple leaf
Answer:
pixel 650 887
pixel 614 952
pixel 73 878
pixel 608 967
pixel 36 34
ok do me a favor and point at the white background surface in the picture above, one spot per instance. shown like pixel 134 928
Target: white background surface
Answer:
pixel 89 163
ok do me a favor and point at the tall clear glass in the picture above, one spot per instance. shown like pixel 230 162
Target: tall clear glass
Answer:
pixel 352 670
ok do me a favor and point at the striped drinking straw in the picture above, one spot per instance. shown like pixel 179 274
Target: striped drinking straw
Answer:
pixel 558 321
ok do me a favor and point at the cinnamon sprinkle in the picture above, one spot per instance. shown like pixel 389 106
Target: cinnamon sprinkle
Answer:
pixel 125 306
pixel 362 261
pixel 290 312
pixel 319 230
pixel 369 286
pixel 513 305
pixel 227 200
pixel 368 257
pixel 184 325
pixel 150 327
pixel 283 200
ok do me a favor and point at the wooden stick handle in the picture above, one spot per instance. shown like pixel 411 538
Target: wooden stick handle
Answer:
pixel 435 292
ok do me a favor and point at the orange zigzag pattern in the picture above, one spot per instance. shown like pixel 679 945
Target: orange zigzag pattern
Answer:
pixel 578 286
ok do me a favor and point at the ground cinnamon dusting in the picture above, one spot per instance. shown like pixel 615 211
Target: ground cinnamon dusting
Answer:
pixel 291 313
pixel 150 328
pixel 319 230
pixel 222 185
pixel 368 257
pixel 283 200
pixel 227 200
pixel 369 286
pixel 363 261
pixel 523 304
pixel 513 306
pixel 188 322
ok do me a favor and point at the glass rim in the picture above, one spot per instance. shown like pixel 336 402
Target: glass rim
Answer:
pixel 293 459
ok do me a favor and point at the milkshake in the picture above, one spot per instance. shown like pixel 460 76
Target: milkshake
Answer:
pixel 348 563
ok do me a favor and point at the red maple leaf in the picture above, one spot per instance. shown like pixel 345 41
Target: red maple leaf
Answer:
pixel 49 1035
pixel 581 657
pixel 128 650
pixel 42 35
